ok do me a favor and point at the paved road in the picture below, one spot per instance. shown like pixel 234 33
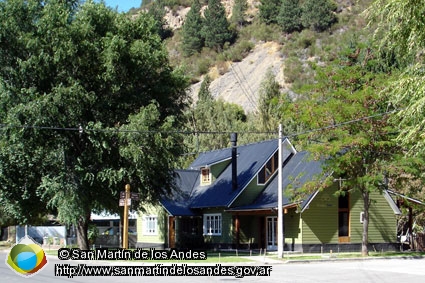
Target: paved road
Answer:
pixel 376 270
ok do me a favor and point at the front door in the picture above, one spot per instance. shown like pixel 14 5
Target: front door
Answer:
pixel 271 232
pixel 344 218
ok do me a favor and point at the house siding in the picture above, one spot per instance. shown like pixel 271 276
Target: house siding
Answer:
pixel 320 220
pixel 226 238
pixel 292 230
pixel 161 238
pixel 250 193
pixel 218 168
pixel 382 222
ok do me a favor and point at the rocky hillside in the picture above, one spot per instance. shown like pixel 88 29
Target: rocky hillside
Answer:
pixel 239 82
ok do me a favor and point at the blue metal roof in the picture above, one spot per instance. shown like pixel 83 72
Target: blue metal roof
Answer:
pixel 177 204
pixel 190 195
pixel 298 170
pixel 211 157
pixel 250 159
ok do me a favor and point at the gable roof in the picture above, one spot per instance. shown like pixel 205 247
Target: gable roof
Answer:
pixel 250 159
pixel 298 170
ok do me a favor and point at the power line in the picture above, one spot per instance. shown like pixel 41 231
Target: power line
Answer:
pixel 247 92
pixel 344 123
pixel 80 129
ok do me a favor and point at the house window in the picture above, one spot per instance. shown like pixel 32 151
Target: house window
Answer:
pixel 205 176
pixel 269 169
pixel 151 225
pixel 212 224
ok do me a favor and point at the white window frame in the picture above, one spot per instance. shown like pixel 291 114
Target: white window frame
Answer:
pixel 150 225
pixel 213 224
pixel 208 181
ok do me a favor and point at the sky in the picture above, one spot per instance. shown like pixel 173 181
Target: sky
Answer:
pixel 123 5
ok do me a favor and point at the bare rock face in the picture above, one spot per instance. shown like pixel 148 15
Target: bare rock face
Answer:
pixel 242 81
pixel 175 18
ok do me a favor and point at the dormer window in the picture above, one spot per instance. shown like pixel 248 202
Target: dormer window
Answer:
pixel 205 176
pixel 269 169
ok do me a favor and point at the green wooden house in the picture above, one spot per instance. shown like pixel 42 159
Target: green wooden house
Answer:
pixel 228 199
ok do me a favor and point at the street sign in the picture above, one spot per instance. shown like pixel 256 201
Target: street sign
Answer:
pixel 134 196
pixel 122 202
pixel 122 194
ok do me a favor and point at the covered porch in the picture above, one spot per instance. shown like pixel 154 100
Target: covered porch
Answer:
pixel 256 228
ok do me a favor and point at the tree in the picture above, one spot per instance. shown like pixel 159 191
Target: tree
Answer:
pixel 204 93
pixel 400 30
pixel 238 12
pixel 269 90
pixel 318 15
pixel 157 11
pixel 215 30
pixel 289 17
pixel 269 10
pixel 211 115
pixel 75 81
pixel 192 41
pixel 356 137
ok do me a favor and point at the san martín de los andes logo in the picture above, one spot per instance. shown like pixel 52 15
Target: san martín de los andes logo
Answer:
pixel 26 258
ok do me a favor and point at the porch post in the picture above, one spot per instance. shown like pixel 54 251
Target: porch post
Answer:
pixel 280 200
pixel 237 230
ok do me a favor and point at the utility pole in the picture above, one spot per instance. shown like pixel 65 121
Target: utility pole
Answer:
pixel 280 200
pixel 125 220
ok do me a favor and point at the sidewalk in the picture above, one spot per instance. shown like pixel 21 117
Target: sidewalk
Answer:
pixel 264 259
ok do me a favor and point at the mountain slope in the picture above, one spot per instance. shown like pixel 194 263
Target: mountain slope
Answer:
pixel 240 84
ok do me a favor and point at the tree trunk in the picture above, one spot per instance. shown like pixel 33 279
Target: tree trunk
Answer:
pixel 82 228
pixel 365 235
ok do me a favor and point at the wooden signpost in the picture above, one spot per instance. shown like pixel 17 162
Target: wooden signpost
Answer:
pixel 125 200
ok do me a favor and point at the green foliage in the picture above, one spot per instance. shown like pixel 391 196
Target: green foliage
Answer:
pixel 318 14
pixel 92 233
pixel 216 30
pixel 238 12
pixel 88 67
pixel 292 70
pixel 239 50
pixel 289 17
pixel 258 31
pixel 356 148
pixel 157 11
pixel 400 24
pixel 401 34
pixel 269 90
pixel 204 94
pixel 269 10
pixel 192 40
pixel 211 115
